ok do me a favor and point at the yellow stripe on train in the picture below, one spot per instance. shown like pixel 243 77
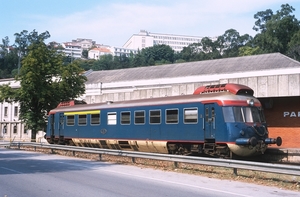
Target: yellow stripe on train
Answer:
pixel 82 112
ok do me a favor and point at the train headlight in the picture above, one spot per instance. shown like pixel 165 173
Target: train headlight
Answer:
pixel 250 102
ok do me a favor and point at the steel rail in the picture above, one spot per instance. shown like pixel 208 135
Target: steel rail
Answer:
pixel 227 163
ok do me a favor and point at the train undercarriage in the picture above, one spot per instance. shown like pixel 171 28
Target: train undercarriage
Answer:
pixel 179 148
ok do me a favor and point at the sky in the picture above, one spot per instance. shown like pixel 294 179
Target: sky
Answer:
pixel 113 22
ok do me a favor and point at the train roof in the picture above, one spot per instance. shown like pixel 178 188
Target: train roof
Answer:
pixel 219 97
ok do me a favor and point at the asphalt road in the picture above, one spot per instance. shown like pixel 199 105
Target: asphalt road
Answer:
pixel 33 174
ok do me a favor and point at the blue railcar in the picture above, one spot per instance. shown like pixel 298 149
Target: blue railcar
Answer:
pixel 218 120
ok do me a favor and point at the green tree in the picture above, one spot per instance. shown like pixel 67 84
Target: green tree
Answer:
pixel 247 50
pixel 277 30
pixel 262 18
pixel 85 64
pixel 187 53
pixel 138 60
pixel 209 49
pixel 85 53
pixel 294 47
pixel 45 81
pixel 121 61
pixel 104 63
pixel 8 59
pixel 24 39
pixel 158 53
pixel 230 42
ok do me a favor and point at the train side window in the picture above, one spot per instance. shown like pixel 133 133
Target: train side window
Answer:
pixel 95 119
pixel 262 116
pixel 190 115
pixel 82 119
pixel 172 116
pixel 111 118
pixel 70 120
pixel 247 114
pixel 228 113
pixel 139 117
pixel 206 114
pixel 125 117
pixel 155 117
pixel 238 114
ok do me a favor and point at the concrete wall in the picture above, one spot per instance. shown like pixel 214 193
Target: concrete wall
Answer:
pixel 263 86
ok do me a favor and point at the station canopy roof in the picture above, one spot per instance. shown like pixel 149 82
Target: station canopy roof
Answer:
pixel 263 62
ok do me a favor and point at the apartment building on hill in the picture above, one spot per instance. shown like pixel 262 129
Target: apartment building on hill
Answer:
pixel 147 39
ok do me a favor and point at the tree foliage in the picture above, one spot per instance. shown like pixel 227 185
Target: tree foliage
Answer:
pixel 294 46
pixel 45 81
pixel 8 59
pixel 158 53
pixel 277 30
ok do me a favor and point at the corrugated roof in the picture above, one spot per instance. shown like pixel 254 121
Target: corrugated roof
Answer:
pixel 209 67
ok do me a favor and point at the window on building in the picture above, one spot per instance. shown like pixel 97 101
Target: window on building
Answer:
pixel 125 117
pixel 155 117
pixel 95 119
pixel 191 115
pixel 172 116
pixel 5 111
pixel 4 129
pixel 82 119
pixel 25 129
pixel 112 118
pixel 70 120
pixel 139 117
pixel 15 129
pixel 16 111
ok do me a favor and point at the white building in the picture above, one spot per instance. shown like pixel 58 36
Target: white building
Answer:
pixel 95 53
pixel 11 127
pixel 147 39
pixel 74 49
pixel 118 51
pixel 98 51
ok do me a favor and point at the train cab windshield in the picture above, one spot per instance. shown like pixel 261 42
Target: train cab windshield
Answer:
pixel 243 114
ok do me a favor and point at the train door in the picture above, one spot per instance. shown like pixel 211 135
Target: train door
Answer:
pixel 61 128
pixel 209 123
pixel 51 128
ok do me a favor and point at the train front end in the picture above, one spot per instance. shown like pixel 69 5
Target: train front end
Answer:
pixel 248 132
pixel 246 128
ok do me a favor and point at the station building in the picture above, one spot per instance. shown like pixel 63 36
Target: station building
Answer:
pixel 275 79
pixel 11 127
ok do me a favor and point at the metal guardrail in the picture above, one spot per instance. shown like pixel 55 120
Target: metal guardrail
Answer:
pixel 227 163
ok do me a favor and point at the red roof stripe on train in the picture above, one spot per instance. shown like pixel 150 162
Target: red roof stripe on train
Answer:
pixel 230 87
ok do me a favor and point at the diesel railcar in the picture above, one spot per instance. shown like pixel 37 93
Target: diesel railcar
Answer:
pixel 220 120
